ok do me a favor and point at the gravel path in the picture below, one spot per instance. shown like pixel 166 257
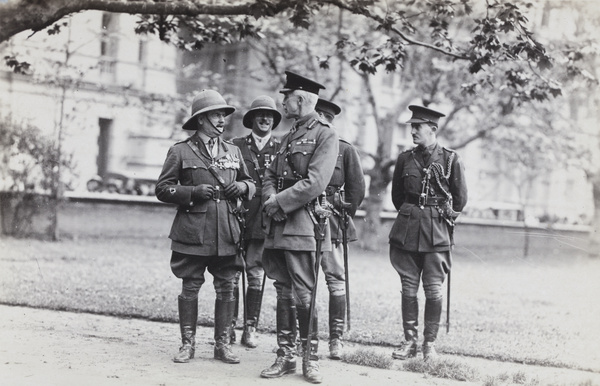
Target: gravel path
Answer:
pixel 44 347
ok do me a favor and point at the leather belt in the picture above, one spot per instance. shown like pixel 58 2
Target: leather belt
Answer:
pixel 218 195
pixel 425 201
pixel 285 183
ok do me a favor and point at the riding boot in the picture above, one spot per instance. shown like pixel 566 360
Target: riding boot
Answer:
pixel 253 302
pixel 285 363
pixel 188 318
pixel 337 313
pixel 410 322
pixel 236 310
pixel 433 314
pixel 224 310
pixel 310 367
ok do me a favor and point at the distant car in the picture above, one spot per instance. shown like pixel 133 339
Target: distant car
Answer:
pixel 122 183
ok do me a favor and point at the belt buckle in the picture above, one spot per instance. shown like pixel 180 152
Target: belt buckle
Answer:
pixel 217 194
pixel 422 201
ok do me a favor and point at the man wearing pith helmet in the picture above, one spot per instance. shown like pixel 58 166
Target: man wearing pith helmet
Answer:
pixel 205 176
pixel 299 174
pixel 429 191
pixel 258 151
pixel 345 191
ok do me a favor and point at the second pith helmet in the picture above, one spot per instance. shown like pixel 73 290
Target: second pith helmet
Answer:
pixel 262 102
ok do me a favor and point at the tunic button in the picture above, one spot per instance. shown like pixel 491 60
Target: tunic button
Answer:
pixel 258 156
pixel 304 152
pixel 285 173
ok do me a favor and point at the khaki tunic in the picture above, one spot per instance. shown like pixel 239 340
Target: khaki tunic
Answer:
pixel 423 229
pixel 257 161
pixel 204 227
pixel 313 150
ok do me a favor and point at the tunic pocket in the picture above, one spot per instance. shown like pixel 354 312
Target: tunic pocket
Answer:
pixel 194 170
pixel 440 236
pixel 188 226
pixel 400 228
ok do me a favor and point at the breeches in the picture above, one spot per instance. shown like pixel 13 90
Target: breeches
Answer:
pixel 191 269
pixel 293 273
pixel 254 269
pixel 431 267
pixel 333 268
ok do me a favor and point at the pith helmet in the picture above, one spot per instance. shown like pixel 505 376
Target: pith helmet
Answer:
pixel 262 102
pixel 205 101
pixel 422 114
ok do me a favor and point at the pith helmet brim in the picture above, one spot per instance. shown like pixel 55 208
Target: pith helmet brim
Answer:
pixel 204 102
pixel 265 103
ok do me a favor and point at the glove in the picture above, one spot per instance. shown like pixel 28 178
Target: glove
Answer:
pixel 202 192
pixel 235 189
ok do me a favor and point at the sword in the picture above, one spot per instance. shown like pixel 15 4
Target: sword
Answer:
pixel 322 212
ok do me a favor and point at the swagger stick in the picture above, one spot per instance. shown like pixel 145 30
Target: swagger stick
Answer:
pixel 344 225
pixel 320 230
pixel 448 306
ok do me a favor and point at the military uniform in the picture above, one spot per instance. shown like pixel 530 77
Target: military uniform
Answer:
pixel 429 191
pixel 205 232
pixel 299 174
pixel 348 174
pixel 257 161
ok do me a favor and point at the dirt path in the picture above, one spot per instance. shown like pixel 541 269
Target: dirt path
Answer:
pixel 42 347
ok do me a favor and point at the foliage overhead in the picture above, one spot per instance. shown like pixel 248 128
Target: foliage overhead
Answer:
pixel 498 34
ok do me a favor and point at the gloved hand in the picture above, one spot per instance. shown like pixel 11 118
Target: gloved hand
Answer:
pixel 202 192
pixel 235 189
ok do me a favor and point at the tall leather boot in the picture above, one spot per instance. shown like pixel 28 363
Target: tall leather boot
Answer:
pixel 410 323
pixel 310 368
pixel 253 302
pixel 223 315
pixel 285 363
pixel 236 310
pixel 433 313
pixel 188 318
pixel 337 314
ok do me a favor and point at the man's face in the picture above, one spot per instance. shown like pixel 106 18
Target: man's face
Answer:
pixel 291 105
pixel 326 115
pixel 422 134
pixel 262 123
pixel 212 123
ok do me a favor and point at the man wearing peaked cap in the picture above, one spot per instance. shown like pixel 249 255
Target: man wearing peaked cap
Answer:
pixel 429 191
pixel 345 191
pixel 299 82
pixel 299 174
pixel 204 176
pixel 258 149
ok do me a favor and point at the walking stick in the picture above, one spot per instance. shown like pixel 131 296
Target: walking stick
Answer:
pixel 322 213
pixel 448 306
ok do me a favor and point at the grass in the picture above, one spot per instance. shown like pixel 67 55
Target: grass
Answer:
pixel 442 368
pixel 370 358
pixel 540 310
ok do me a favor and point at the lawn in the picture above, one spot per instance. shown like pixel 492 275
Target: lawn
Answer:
pixel 541 310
